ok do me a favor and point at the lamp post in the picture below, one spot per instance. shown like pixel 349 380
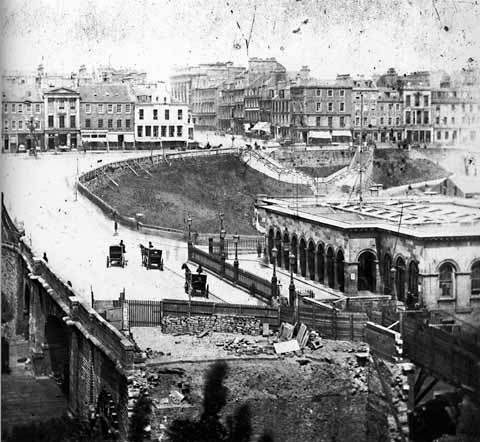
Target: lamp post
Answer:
pixel 274 276
pixel 222 249
pixel 291 287
pixel 236 238
pixel 31 126
pixel 189 243
pixel 222 237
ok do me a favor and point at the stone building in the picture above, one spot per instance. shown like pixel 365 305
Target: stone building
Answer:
pixel 364 109
pixel 417 114
pixel 428 247
pixel 389 116
pixel 107 116
pixel 205 97
pixel 23 118
pixel 62 118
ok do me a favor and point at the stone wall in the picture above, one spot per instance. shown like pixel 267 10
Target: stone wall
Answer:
pixel 246 325
pixel 314 158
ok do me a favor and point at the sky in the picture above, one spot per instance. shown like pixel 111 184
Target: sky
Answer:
pixel 330 36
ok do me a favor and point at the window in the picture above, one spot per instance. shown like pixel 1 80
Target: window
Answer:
pixel 139 131
pixel 14 125
pixel 439 135
pixel 397 121
pixel 342 121
pixel 88 123
pixel 163 131
pixel 357 121
pixel 453 107
pixel 5 107
pixel 13 107
pixel 20 124
pixel 37 108
pixel 382 121
pixel 155 131
pixel 167 114
pixel 5 124
pixel 119 108
pixel 61 121
pixel 425 117
pixel 475 279
pixel 155 114
pixel 407 117
pixel 444 120
pixel 425 101
pixel 72 103
pixel 119 124
pixel 110 124
pixel 389 121
pixel 342 107
pixel 342 92
pixel 100 108
pixel 110 108
pixel 397 106
pixel 148 131
pixel 330 121
pixel 179 131
pixel 330 92
pixel 319 107
pixel 453 120
pixel 272 93
pixel 140 114
pixel 20 108
pixel 407 100
pixel 61 104
pixel 50 121
pixel 28 107
pixel 319 92
pixel 127 124
pixel 88 108
pixel 180 114
pixel 100 123
pixel 128 108
pixel 318 122
pixel 171 131
pixel 330 107
pixel 281 93
pixel 73 122
pixel 437 120
pixel 417 100
pixel 446 134
pixel 446 280
pixel 390 106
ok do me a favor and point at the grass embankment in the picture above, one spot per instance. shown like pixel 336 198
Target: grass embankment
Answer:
pixel 319 172
pixel 201 187
pixel 395 168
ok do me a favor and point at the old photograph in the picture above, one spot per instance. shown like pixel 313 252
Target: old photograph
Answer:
pixel 240 220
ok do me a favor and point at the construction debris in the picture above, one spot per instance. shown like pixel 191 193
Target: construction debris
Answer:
pixel 286 346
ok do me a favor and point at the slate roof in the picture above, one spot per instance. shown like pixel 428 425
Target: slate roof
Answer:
pixel 106 93
pixel 21 93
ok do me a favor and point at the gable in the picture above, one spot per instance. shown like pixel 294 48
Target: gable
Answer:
pixel 61 91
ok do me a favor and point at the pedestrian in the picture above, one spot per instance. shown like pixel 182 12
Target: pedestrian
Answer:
pixel 45 256
pixel 115 227
pixel 199 269
pixel 150 245
pixel 122 245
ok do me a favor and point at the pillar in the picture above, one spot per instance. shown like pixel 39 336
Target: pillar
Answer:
pixel 350 271
pixel 69 137
pixel 314 276
pixel 335 270
pixel 378 278
pixel 325 268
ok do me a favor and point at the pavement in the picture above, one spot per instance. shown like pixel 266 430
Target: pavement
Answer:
pixel 76 235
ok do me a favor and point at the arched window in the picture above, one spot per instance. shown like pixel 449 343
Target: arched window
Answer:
pixel 446 280
pixel 475 277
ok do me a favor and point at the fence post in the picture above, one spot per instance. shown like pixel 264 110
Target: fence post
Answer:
pixel 210 245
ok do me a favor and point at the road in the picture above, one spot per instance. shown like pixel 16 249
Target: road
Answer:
pixel 75 235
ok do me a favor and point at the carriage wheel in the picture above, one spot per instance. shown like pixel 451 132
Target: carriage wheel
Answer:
pixel 108 262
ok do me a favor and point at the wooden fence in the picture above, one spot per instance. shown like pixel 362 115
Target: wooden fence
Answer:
pixel 150 313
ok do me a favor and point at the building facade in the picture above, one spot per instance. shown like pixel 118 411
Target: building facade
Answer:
pixel 417 101
pixel 205 99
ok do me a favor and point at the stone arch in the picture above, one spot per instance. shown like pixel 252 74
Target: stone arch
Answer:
pixel 294 250
pixel 340 264
pixel 58 347
pixel 367 271
pixel 447 278
pixel 303 256
pixel 475 277
pixel 400 272
pixel 278 245
pixel 107 416
pixel 330 267
pixel 387 274
pixel 320 262
pixel 311 259
pixel 286 250
pixel 270 242
pixel 413 273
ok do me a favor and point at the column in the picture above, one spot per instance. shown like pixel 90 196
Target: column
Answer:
pixel 350 271
pixel 68 139
pixel 314 276
pixel 335 276
pixel 378 278
pixel 325 269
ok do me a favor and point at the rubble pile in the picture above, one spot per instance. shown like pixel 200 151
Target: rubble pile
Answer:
pixel 217 323
pixel 243 346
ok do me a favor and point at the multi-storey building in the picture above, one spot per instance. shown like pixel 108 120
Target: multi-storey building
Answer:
pixel 107 116
pixel 253 95
pixel 225 106
pixel 282 110
pixel 62 118
pixel 364 109
pixel 23 118
pixel 205 98
pixel 417 114
pixel 389 116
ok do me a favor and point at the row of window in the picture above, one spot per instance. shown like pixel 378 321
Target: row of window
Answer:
pixel 88 123
pixel 18 107
pixel 152 131
pixel 447 280
pixel 141 114
pixel 415 117
pixel 111 108
pixel 453 107
pixel 373 121
pixel 330 121
pixel 417 99
pixel 331 106
pixel 62 121
pixel 19 125
pixel 341 92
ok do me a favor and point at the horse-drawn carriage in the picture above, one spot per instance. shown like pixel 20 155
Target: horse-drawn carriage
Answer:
pixel 116 256
pixel 195 283
pixel 151 258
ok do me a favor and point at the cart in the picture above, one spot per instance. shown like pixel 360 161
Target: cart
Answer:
pixel 196 284
pixel 151 258
pixel 116 257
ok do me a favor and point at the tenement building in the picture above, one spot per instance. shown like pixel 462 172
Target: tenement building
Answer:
pixel 428 248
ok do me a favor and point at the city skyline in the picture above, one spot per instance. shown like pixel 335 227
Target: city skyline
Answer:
pixel 330 37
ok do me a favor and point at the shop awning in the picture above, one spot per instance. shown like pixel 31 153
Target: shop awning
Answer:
pixel 263 126
pixel 320 134
pixel 112 137
pixel 128 138
pixel 341 133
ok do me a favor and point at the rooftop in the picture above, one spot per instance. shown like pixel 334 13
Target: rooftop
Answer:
pixel 113 93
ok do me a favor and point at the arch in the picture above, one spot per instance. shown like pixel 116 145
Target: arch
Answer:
pixel 311 259
pixel 270 241
pixel 340 263
pixel 294 250
pixel 286 250
pixel 57 339
pixel 475 278
pixel 303 257
pixel 320 262
pixel 447 279
pixel 330 267
pixel 400 271
pixel 278 245
pixel 367 271
pixel 413 273
pixel 387 274
pixel 107 416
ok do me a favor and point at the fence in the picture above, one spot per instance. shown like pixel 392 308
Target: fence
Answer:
pixel 150 313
